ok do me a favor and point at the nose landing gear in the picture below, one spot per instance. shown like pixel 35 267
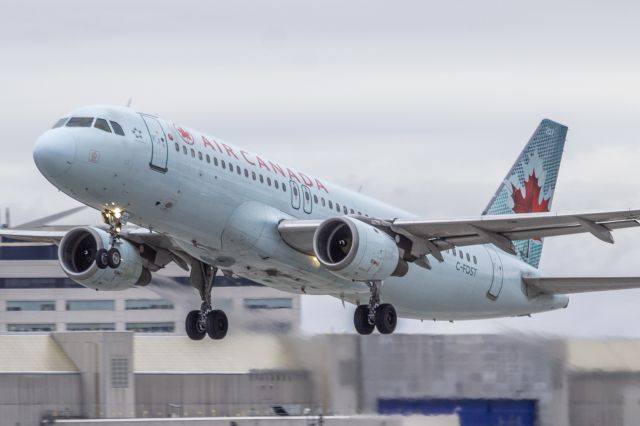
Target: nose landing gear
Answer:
pixel 111 257
pixel 375 315
pixel 207 320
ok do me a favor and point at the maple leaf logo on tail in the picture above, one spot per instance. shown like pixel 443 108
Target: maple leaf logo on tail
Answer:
pixel 530 203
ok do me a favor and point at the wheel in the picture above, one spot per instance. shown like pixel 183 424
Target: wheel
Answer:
pixel 361 320
pixel 114 258
pixel 192 325
pixel 101 259
pixel 217 324
pixel 386 318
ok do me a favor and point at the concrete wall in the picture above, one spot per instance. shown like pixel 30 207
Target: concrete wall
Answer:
pixel 276 421
pixel 465 366
pixel 196 395
pixel 609 398
pixel 26 397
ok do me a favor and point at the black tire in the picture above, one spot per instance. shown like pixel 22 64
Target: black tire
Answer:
pixel 361 320
pixel 386 318
pixel 191 325
pixel 217 324
pixel 114 258
pixel 101 259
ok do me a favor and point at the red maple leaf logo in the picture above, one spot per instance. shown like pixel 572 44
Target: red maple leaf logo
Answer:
pixel 529 203
pixel 185 135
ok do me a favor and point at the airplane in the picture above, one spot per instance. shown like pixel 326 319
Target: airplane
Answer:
pixel 210 206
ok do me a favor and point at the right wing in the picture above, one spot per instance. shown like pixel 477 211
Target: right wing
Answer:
pixel 434 236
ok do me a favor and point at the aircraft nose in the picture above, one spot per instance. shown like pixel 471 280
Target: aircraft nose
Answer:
pixel 54 152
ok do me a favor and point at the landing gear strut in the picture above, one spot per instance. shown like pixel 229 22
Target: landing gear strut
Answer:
pixel 207 320
pixel 111 257
pixel 375 315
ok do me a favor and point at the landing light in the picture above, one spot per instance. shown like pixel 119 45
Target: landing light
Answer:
pixel 314 261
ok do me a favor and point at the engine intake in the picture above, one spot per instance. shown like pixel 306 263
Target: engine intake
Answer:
pixel 77 255
pixel 352 249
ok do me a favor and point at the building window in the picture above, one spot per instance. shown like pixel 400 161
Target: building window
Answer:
pixel 25 328
pixel 143 304
pixel 91 326
pixel 119 373
pixel 268 303
pixel 151 327
pixel 90 305
pixel 31 305
pixel 32 283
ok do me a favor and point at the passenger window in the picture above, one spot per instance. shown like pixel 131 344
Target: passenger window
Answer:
pixel 453 251
pixel 322 201
pixel 307 196
pixel 59 123
pixel 475 260
pixel 102 124
pixel 284 188
pixel 344 210
pixel 359 213
pixel 261 179
pixel 315 199
pixel 461 255
pixel 184 149
pixel 353 212
pixel 177 148
pixel 253 175
pixel 116 128
pixel 246 173
pixel 338 207
pixel 224 165
pixel 193 153
pixel 330 204
pixel 80 122
pixel 231 167
pixel 269 181
pixel 295 191
pixel 276 184
pixel 208 158
pixel 200 155
pixel 468 258
pixel 239 170
pixel 215 161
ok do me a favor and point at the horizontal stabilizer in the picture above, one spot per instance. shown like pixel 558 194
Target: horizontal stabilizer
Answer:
pixel 566 285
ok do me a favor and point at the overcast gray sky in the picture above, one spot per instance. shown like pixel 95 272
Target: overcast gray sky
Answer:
pixel 424 104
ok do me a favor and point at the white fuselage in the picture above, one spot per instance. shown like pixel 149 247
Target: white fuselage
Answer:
pixel 222 205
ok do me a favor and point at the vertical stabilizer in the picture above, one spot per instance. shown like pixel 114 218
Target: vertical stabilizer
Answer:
pixel 531 182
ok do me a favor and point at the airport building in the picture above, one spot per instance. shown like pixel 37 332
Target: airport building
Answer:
pixel 477 379
pixel 36 296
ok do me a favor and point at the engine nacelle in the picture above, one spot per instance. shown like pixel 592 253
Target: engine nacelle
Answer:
pixel 352 249
pixel 77 256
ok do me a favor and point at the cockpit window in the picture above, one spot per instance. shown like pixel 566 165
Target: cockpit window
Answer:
pixel 102 124
pixel 60 123
pixel 117 128
pixel 80 122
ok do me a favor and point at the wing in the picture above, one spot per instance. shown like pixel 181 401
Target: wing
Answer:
pixel 434 236
pixel 551 285
pixel 164 246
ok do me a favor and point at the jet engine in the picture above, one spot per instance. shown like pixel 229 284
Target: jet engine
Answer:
pixel 352 249
pixel 77 256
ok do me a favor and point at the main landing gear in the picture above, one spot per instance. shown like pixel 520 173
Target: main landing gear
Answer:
pixel 206 320
pixel 111 257
pixel 375 315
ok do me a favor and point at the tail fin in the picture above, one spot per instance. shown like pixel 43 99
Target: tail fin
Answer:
pixel 531 182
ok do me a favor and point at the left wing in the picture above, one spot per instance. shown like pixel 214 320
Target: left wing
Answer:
pixel 434 236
